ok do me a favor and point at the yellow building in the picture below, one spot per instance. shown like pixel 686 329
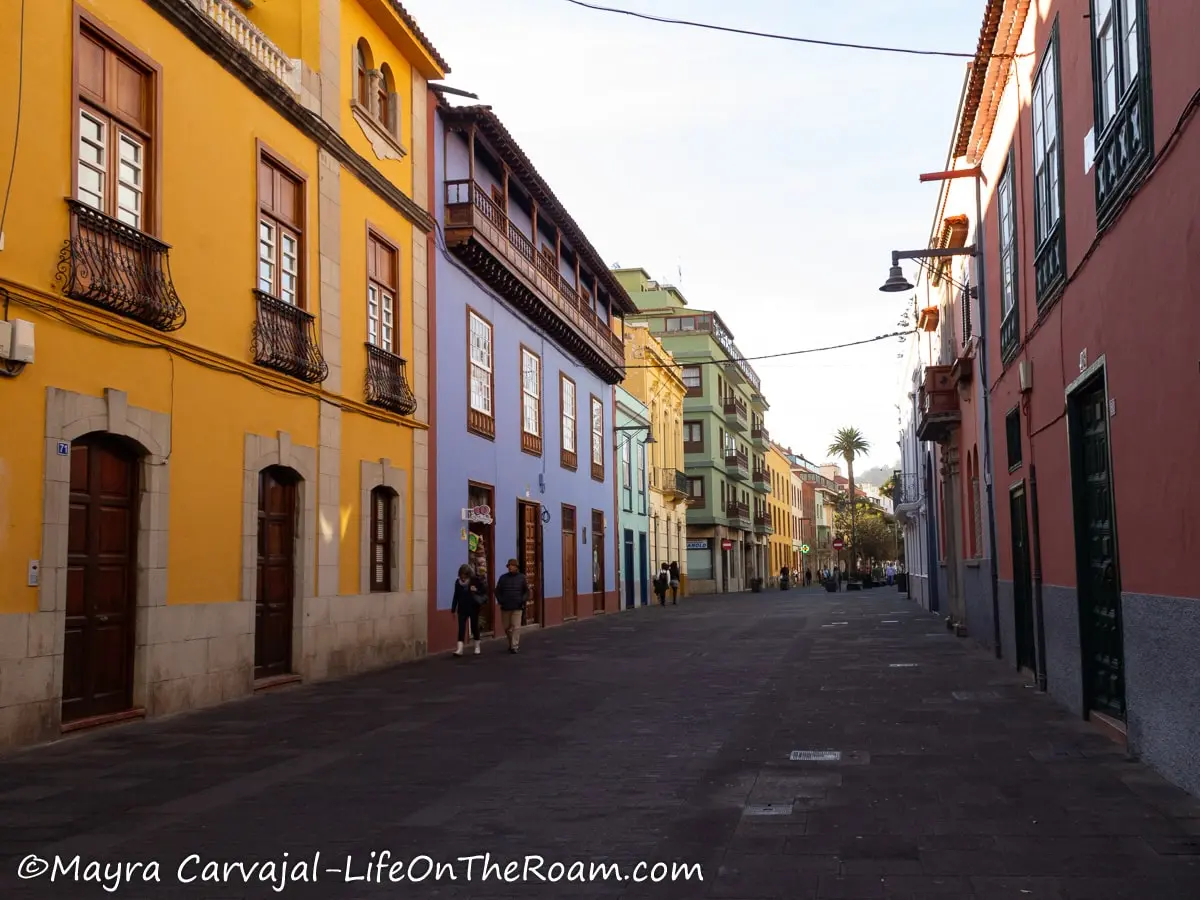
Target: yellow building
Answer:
pixel 779 505
pixel 213 470
pixel 653 376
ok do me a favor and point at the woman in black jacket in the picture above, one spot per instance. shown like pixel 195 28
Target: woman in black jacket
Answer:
pixel 469 596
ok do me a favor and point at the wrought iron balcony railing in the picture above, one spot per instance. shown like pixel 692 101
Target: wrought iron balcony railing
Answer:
pixel 906 488
pixel 114 266
pixel 387 383
pixel 285 339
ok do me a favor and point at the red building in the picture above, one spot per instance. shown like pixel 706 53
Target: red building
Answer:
pixel 1080 116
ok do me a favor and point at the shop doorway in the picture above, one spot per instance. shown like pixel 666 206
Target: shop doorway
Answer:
pixel 274 609
pixel 629 571
pixel 597 561
pixel 570 565
pixel 644 567
pixel 481 552
pixel 1022 583
pixel 529 554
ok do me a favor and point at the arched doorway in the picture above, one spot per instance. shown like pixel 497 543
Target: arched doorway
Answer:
pixel 276 595
pixel 101 592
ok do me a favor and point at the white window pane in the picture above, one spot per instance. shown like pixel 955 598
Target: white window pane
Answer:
pixel 91 187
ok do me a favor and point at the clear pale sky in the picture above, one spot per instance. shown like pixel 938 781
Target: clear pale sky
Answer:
pixel 777 177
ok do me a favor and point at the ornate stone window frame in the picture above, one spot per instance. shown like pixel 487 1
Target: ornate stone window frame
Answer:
pixel 374 474
pixel 70 416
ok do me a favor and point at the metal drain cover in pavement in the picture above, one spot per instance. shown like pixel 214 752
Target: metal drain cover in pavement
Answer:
pixel 902 665
pixel 975 695
pixel 816 755
pixel 768 809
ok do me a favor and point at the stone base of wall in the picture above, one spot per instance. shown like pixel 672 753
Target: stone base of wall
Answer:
pixel 351 634
pixel 977 597
pixel 199 655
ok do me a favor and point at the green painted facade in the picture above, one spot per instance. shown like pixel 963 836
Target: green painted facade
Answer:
pixel 725 440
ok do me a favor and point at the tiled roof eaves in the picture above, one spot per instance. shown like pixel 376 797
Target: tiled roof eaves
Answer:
pixel 979 69
pixel 514 156
pixel 408 20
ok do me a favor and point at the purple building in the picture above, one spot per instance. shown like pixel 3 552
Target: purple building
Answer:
pixel 528 324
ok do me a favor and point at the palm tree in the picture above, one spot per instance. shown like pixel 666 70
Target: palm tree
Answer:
pixel 849 443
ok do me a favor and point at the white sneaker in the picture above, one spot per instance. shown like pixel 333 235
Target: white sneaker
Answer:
pixel 458 650
pixel 477 647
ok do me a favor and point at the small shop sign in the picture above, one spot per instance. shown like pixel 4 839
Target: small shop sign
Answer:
pixel 698 545
pixel 479 514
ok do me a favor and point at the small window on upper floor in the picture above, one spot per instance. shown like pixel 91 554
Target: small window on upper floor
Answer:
pixel 376 102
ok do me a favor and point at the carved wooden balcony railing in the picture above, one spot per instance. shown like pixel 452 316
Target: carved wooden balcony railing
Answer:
pixel 760 436
pixel 387 382
pixel 114 266
pixel 737 465
pixel 762 480
pixel 738 512
pixel 763 524
pixel 285 339
pixel 939 410
pixel 471 213
pixel 735 412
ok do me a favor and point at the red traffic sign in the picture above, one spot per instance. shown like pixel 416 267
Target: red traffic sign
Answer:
pixel 838 544
pixel 726 544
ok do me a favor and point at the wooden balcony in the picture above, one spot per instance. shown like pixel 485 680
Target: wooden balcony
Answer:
pixel 763 525
pixel 670 482
pixel 737 465
pixel 736 415
pixel 760 437
pixel 738 514
pixel 939 410
pixel 762 481
pixel 480 234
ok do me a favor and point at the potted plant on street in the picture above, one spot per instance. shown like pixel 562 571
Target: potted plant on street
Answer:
pixel 756 585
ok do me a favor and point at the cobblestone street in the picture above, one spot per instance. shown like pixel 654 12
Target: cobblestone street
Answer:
pixel 655 735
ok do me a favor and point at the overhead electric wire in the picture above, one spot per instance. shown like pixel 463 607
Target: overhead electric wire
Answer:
pixel 687 363
pixel 846 45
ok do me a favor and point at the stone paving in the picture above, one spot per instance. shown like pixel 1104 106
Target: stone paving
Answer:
pixel 652 735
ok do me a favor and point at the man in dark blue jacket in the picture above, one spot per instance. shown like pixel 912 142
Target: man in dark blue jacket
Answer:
pixel 512 590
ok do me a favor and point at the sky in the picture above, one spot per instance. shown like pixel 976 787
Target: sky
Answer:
pixel 767 180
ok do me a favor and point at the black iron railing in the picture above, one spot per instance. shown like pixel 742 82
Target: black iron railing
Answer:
pixel 285 339
pixel 387 382
pixel 114 266
pixel 906 488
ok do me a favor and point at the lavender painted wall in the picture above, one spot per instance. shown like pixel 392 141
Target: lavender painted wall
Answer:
pixel 463 456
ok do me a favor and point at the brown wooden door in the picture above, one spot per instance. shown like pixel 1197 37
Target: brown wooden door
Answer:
pixel 529 553
pixel 276 573
pixel 101 579
pixel 597 561
pixel 570 565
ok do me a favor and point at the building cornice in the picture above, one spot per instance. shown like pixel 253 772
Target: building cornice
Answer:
pixel 206 35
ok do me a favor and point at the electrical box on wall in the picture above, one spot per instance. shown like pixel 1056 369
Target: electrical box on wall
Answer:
pixel 1025 370
pixel 16 341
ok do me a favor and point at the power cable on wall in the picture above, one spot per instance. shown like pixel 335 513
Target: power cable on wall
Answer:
pixel 17 129
pixel 845 45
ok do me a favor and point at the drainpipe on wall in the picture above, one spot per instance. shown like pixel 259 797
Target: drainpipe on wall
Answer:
pixel 1037 579
pixel 987 408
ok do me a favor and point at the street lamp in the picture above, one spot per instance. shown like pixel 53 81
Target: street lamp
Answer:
pixel 896 282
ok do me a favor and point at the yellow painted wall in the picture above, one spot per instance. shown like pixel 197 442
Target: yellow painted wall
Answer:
pixel 780 504
pixel 205 378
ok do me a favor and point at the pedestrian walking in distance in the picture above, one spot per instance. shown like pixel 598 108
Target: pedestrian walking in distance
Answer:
pixel 661 580
pixel 469 595
pixel 512 591
pixel 674 584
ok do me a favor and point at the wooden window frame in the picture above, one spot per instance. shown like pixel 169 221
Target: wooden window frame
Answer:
pixel 374 235
pixel 264 155
pixel 1132 103
pixel 82 21
pixel 697 390
pixel 693 446
pixel 478 422
pixel 639 465
pixel 597 467
pixel 1009 256
pixel 363 66
pixel 530 443
pixel 1012 436
pixel 696 501
pixel 627 473
pixel 568 459
pixel 385 545
pixel 1049 237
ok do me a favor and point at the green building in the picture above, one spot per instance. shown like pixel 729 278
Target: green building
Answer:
pixel 724 438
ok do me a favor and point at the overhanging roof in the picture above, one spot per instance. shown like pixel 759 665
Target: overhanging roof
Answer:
pixel 483 118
